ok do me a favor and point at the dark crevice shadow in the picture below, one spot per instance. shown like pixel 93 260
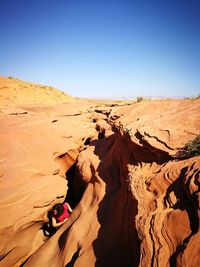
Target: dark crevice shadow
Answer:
pixel 23 264
pixel 187 204
pixel 117 243
pixel 62 238
pixel 148 153
pixel 101 135
pixel 73 260
pixel 76 186
pixel 47 228
pixel 87 141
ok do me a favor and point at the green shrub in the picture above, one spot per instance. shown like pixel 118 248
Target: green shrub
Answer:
pixel 193 148
pixel 139 99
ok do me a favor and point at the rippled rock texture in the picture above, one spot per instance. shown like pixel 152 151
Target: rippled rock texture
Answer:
pixel 135 199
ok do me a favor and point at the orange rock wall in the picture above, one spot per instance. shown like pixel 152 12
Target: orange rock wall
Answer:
pixel 139 200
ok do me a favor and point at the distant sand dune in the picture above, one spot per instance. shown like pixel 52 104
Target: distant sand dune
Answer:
pixel 14 91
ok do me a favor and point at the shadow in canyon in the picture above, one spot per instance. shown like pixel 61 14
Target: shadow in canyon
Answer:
pixel 117 243
pixel 184 202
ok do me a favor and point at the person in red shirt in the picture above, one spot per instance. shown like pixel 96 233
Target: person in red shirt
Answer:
pixel 60 214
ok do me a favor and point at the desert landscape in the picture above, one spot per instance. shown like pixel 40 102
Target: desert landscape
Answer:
pixel 128 169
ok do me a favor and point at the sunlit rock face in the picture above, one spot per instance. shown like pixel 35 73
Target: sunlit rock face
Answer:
pixel 135 199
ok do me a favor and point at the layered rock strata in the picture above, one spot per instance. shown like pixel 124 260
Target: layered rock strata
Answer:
pixel 136 201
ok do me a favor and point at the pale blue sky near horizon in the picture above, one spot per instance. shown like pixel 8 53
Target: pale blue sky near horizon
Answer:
pixel 118 48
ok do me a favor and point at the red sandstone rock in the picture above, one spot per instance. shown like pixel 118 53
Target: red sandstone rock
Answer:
pixel 137 202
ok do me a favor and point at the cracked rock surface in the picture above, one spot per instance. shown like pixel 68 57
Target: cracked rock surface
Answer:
pixel 136 202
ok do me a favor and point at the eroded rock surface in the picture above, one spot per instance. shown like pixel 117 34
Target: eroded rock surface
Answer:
pixel 136 201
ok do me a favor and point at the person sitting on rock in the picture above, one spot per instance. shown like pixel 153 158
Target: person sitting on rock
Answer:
pixel 60 214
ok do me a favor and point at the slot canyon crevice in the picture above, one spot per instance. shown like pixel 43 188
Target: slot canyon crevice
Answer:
pixel 135 202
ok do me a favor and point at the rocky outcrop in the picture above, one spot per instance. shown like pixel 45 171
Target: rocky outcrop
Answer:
pixel 135 200
pixel 37 148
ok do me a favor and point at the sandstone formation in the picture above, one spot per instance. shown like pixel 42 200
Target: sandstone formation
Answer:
pixel 135 199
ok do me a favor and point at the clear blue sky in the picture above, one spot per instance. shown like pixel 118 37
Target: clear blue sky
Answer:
pixel 103 48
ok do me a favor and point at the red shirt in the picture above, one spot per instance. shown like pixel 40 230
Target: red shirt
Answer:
pixel 65 214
